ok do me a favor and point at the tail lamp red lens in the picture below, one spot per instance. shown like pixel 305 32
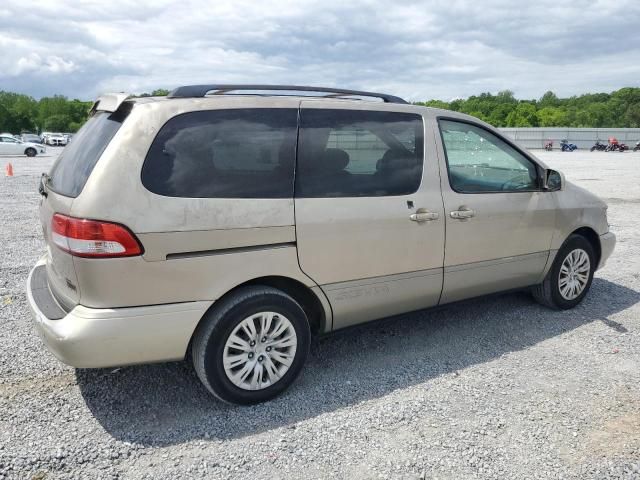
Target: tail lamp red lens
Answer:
pixel 93 238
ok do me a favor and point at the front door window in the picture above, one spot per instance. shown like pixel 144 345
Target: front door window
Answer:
pixel 479 161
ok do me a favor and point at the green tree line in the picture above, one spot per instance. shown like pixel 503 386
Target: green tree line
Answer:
pixel 22 113
pixel 617 109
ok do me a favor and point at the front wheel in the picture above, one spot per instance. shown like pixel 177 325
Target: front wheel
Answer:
pixel 570 276
pixel 30 152
pixel 252 345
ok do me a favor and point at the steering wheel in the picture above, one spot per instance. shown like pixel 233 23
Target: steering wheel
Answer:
pixel 523 182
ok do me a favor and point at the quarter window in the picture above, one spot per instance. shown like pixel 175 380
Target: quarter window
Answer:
pixel 356 153
pixel 480 161
pixel 241 153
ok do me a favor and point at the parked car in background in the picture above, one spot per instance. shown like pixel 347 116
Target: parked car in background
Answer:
pixel 247 223
pixel 56 139
pixel 31 138
pixel 10 146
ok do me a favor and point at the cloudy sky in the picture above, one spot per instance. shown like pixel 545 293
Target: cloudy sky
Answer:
pixel 434 49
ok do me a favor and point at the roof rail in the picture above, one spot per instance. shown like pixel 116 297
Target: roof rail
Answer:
pixel 196 91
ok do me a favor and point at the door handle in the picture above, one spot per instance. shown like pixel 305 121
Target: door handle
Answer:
pixel 423 215
pixel 463 213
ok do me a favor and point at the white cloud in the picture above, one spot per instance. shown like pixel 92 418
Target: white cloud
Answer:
pixel 432 49
pixel 35 64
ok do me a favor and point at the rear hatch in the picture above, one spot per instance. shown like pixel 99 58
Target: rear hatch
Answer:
pixel 63 184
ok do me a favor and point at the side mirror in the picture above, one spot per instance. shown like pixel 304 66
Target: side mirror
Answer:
pixel 552 180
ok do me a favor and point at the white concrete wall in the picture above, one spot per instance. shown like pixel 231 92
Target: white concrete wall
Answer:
pixel 584 138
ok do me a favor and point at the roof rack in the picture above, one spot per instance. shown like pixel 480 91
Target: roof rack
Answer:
pixel 196 91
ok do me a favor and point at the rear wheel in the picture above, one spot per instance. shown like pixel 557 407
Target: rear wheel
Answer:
pixel 570 276
pixel 252 345
pixel 30 152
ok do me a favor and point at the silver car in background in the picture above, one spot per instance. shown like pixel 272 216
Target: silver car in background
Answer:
pixel 9 145
pixel 229 228
pixel 31 138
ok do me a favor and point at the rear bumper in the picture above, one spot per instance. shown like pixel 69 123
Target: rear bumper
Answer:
pixel 94 338
pixel 607 244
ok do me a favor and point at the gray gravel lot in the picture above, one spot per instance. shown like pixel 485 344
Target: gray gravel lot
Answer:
pixel 497 387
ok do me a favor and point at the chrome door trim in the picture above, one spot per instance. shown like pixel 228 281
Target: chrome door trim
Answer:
pixel 359 301
pixel 497 261
pixel 490 276
pixel 381 279
pixel 228 251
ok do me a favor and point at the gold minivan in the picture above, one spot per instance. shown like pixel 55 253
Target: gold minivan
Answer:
pixel 227 224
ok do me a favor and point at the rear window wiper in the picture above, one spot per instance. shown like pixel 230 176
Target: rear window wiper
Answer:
pixel 42 188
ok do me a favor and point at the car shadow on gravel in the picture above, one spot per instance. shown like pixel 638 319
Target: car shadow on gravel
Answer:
pixel 165 404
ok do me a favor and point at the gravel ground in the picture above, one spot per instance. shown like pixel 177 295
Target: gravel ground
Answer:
pixel 493 388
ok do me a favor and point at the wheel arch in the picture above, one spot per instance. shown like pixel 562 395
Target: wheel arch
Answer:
pixel 309 300
pixel 592 237
pixel 586 232
pixel 316 308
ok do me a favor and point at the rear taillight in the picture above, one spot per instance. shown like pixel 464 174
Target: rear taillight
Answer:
pixel 93 238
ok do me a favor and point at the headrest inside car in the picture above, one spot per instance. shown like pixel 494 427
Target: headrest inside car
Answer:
pixel 334 159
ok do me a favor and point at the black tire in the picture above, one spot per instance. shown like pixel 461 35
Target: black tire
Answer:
pixel 593 148
pixel 548 292
pixel 218 324
pixel 30 152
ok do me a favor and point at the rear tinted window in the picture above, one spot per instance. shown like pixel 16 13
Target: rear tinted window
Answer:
pixel 74 165
pixel 356 153
pixel 243 153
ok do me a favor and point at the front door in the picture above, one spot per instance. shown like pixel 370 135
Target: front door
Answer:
pixel 369 216
pixel 499 221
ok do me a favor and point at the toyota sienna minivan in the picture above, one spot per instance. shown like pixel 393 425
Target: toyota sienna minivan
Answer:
pixel 226 224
